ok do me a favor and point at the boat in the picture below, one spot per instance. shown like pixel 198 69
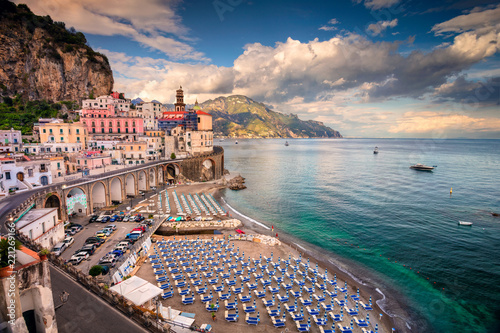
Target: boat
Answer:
pixel 464 223
pixel 375 151
pixel 236 142
pixel 422 167
pixel 286 143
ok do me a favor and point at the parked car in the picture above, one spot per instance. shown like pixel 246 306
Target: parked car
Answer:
pixel 68 241
pixel 90 248
pixel 94 240
pixel 83 254
pixel 58 249
pixel 105 219
pixel 108 259
pixel 93 219
pixel 105 231
pixel 117 253
pixel 99 218
pixel 76 229
pixel 119 218
pixel 111 226
pixel 113 218
pixel 125 219
pixel 101 235
pixel 141 229
pixel 70 231
pixel 133 236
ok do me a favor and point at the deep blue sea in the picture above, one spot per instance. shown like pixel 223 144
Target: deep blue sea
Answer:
pixel 376 212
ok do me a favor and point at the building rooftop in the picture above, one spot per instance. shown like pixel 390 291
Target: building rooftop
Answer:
pixel 32 216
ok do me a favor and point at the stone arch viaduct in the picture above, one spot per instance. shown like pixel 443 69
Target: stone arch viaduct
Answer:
pixel 85 195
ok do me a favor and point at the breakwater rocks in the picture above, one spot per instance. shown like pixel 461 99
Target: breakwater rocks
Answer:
pixel 236 183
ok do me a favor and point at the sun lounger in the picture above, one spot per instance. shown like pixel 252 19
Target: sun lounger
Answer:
pixel 365 306
pixel 344 329
pixel 312 311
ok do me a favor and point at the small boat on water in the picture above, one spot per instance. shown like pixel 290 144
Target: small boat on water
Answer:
pixel 464 223
pixel 236 142
pixel 286 143
pixel 375 151
pixel 421 167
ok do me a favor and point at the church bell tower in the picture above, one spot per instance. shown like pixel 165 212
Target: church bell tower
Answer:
pixel 179 105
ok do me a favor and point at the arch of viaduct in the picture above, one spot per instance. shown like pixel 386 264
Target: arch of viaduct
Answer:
pixel 117 187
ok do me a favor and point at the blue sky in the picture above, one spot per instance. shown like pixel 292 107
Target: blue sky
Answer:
pixel 368 68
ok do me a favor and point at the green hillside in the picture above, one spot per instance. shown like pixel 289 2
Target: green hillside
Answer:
pixel 240 116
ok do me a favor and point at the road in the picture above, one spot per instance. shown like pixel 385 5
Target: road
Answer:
pixel 85 312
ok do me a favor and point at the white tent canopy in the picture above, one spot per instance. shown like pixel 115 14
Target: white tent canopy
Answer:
pixel 137 290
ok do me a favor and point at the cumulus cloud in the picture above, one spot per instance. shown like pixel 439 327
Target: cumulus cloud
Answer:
pixel 378 4
pixel 431 122
pixel 151 78
pixel 380 26
pixel 153 24
pixel 479 20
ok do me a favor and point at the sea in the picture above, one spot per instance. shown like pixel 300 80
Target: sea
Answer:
pixel 399 224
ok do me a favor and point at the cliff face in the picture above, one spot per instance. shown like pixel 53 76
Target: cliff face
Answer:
pixel 40 59
pixel 240 116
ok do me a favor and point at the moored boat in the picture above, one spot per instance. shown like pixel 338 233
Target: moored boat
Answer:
pixel 375 151
pixel 286 143
pixel 464 223
pixel 421 167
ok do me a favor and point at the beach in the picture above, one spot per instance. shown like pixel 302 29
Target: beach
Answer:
pixel 390 302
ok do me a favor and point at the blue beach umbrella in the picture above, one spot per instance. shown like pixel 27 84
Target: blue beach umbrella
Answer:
pixel 376 327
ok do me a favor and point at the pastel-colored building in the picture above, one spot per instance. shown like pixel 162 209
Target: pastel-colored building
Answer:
pixel 23 173
pixel 111 102
pixel 150 112
pixel 10 141
pixel 63 133
pixel 93 160
pixel 132 152
pixel 113 126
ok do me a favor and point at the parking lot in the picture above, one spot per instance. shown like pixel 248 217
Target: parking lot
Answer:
pixel 89 230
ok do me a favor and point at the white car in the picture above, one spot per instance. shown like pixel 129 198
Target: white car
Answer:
pixel 68 241
pixel 112 227
pixel 58 249
pixel 79 257
pixel 99 219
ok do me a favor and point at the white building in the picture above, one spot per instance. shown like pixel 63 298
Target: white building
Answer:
pixel 150 112
pixel 42 226
pixel 10 141
pixel 18 174
pixel 154 146
pixel 110 102
pixel 52 147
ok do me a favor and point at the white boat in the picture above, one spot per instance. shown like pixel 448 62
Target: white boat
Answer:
pixel 421 167
pixel 464 223
pixel 286 143
pixel 236 142
pixel 375 151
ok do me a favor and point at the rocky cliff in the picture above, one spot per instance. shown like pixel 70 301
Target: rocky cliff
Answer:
pixel 240 116
pixel 41 59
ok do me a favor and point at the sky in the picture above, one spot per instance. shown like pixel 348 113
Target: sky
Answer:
pixel 367 68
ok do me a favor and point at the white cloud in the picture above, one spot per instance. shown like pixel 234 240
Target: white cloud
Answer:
pixel 153 23
pixel 480 21
pixel 378 4
pixel 330 25
pixel 381 26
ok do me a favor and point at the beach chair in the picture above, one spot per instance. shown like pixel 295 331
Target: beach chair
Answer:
pixel 351 312
pixel 327 330
pixel 290 308
pixel 283 299
pixel 366 306
pixel 244 279
pixel 320 320
pixel 297 316
pixel 312 311
pixel 260 294
pixel 251 286
pixel 231 317
pixel 279 322
pixel 245 299
pixel 302 327
pixel 305 302
pixel 335 316
pixel 252 320
pixel 268 303
pixel 225 296
pixel 218 288
pixel 230 305
pixel 332 294
pixel 186 300
pixel 344 329
pixel 184 292
pixel 211 307
pixel 206 298
pixel 360 322
pixel 168 294
pixel 237 290
pixel 327 306
pixel 319 298
pixel 274 290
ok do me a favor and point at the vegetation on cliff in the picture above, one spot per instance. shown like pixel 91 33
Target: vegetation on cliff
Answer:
pixel 240 116
pixel 42 60
pixel 21 115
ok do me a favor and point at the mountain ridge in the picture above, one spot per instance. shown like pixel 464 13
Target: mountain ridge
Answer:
pixel 240 116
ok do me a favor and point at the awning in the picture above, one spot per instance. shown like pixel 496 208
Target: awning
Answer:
pixel 240 231
pixel 137 290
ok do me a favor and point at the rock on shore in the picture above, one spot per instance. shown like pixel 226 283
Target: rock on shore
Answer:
pixel 236 183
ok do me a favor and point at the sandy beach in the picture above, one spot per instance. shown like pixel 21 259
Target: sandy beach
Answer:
pixel 289 247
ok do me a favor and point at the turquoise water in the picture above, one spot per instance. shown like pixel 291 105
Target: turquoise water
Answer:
pixel 377 212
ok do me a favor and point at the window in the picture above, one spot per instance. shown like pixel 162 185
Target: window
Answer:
pixel 59 164
pixel 62 139
pixel 30 234
pixel 118 130
pixel 110 130
pixel 44 131
pixel 61 131
pixel 102 130
pixel 7 175
pixel 65 148
pixel 110 124
pixel 102 123
pixel 93 124
pixel 126 124
pixel 54 219
pixel 85 162
pixel 43 227
pixel 50 130
pixel 78 130
pixel 30 172
pixel 93 130
pixel 77 139
pixel 126 130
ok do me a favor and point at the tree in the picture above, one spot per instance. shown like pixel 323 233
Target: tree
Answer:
pixel 121 96
pixel 172 156
pixel 95 270
pixel 5 246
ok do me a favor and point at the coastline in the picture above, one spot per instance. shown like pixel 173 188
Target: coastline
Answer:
pixel 386 300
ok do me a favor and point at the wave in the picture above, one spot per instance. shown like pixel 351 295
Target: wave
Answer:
pixel 246 217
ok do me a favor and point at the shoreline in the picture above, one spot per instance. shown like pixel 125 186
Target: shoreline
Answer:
pixel 395 308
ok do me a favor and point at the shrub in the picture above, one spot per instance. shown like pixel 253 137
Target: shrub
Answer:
pixel 172 156
pixel 95 270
